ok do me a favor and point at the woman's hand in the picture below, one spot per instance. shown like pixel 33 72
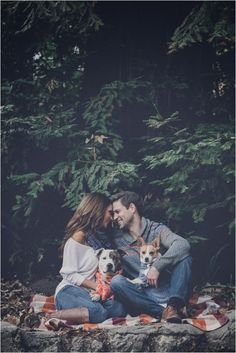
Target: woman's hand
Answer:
pixel 87 283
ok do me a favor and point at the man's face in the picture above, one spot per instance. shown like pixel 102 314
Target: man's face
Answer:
pixel 122 215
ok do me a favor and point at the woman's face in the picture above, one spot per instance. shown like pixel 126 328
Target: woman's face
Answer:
pixel 108 216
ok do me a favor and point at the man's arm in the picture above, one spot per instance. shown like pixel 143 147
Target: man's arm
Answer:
pixel 152 276
pixel 177 248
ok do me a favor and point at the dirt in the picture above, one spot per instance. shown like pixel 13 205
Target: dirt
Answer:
pixel 16 296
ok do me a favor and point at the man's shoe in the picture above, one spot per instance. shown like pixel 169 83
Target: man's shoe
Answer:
pixel 171 315
pixel 174 311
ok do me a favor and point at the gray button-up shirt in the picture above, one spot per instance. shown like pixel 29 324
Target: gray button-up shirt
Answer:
pixel 173 247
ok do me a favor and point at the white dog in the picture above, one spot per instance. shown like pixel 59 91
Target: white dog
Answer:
pixel 108 266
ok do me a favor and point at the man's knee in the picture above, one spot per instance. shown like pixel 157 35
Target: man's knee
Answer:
pixel 117 282
pixel 187 265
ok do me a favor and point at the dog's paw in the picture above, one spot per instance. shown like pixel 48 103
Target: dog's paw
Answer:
pixel 136 281
pixel 95 297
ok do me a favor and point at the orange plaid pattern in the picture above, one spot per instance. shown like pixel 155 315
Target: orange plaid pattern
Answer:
pixel 42 304
pixel 103 286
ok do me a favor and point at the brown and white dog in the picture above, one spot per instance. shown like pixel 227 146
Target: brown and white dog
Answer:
pixel 148 254
pixel 109 265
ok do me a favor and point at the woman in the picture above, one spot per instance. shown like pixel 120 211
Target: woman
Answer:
pixel 72 296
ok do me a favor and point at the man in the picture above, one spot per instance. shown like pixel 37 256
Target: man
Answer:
pixel 168 278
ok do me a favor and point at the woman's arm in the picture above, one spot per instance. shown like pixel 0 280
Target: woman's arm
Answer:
pixel 79 263
pixel 79 236
pixel 87 283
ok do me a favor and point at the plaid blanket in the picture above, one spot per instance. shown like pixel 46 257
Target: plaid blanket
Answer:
pixel 204 313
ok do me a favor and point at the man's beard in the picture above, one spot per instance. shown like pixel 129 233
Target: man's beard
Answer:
pixel 124 225
pixel 118 225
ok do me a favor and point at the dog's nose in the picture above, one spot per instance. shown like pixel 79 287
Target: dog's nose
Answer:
pixel 146 259
pixel 109 266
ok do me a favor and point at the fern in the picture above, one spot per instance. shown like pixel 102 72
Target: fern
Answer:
pixel 210 21
pixel 194 168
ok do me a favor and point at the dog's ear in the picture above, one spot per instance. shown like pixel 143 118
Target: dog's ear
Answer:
pixel 156 243
pixel 121 252
pixel 140 241
pixel 98 252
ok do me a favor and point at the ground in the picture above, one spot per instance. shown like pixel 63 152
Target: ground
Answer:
pixel 15 297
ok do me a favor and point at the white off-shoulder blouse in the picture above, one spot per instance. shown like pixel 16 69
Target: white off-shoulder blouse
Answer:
pixel 79 263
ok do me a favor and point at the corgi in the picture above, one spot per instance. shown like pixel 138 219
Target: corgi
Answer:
pixel 148 254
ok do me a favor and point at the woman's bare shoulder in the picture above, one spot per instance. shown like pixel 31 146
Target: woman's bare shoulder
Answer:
pixel 78 236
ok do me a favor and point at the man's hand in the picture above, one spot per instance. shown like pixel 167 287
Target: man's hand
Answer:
pixel 152 276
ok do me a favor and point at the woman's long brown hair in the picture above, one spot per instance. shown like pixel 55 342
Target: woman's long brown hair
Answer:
pixel 88 216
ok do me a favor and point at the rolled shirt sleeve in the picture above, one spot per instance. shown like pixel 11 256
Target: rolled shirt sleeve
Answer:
pixel 70 275
pixel 177 248
pixel 79 263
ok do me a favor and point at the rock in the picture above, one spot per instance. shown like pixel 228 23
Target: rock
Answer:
pixel 10 339
pixel 222 340
pixel 40 341
pixel 146 338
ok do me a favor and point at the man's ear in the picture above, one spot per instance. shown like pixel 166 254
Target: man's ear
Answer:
pixel 132 207
pixel 122 252
pixel 156 243
pixel 98 252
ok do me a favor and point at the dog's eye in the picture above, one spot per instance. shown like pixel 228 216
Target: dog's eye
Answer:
pixel 143 252
pixel 104 258
pixel 151 253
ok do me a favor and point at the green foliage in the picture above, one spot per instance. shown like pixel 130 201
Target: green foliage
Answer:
pixel 73 179
pixel 211 21
pixel 57 146
pixel 90 154
pixel 192 167
pixel 111 96
pixel 64 16
pixel 105 176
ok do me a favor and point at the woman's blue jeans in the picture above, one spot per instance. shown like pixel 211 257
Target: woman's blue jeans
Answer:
pixel 74 297
pixel 138 299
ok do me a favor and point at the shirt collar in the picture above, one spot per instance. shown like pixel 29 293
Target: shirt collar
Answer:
pixel 143 226
pixel 129 237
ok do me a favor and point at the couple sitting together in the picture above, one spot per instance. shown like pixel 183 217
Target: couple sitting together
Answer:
pixel 166 291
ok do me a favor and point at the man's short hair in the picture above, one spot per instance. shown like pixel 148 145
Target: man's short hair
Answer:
pixel 128 197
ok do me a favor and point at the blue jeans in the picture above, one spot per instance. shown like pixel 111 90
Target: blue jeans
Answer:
pixel 74 297
pixel 138 299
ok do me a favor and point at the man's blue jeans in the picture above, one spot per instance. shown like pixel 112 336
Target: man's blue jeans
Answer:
pixel 74 297
pixel 138 299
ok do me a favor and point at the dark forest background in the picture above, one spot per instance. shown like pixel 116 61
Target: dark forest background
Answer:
pixel 106 96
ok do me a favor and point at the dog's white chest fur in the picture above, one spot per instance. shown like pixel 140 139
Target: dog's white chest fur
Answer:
pixel 148 254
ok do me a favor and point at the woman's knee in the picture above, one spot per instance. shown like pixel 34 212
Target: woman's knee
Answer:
pixel 97 313
pixel 71 297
